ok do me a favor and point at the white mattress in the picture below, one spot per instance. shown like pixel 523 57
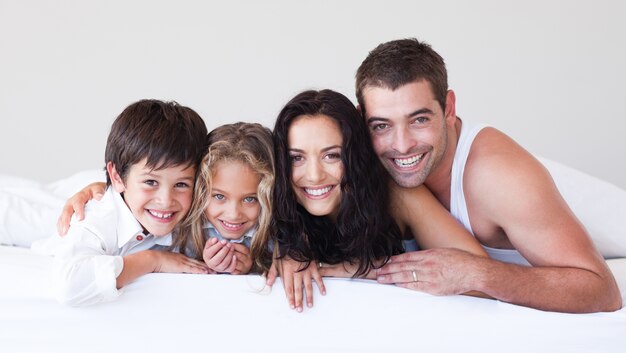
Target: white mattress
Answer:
pixel 213 313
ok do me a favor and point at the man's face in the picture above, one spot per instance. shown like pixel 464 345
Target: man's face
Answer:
pixel 408 130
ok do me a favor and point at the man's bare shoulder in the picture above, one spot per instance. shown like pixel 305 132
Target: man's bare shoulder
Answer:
pixel 496 158
pixel 502 178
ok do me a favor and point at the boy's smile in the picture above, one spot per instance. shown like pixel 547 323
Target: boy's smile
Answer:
pixel 158 199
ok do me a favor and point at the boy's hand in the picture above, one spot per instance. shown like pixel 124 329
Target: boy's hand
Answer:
pixel 220 256
pixel 244 261
pixel 166 261
pixel 76 204
pixel 295 281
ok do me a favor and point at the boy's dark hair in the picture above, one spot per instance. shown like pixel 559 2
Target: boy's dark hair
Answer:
pixel 400 62
pixel 165 133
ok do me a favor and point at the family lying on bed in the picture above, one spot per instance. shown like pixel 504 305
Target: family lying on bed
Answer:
pixel 334 192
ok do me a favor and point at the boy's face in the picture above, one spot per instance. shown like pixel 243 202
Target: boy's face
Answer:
pixel 159 199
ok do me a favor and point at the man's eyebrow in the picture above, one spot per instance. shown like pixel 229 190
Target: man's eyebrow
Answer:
pixel 373 119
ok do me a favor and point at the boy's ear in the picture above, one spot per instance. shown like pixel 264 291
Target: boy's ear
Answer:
pixel 116 179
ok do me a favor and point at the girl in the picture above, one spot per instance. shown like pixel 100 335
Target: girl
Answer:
pixel 335 205
pixel 228 225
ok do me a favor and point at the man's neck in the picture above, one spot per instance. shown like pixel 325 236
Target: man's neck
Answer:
pixel 439 180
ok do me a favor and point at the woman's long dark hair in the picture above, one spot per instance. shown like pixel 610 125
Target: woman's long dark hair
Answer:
pixel 364 232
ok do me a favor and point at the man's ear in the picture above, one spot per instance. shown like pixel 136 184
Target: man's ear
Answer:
pixel 116 179
pixel 450 112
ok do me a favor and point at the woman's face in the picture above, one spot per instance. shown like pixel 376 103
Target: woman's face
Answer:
pixel 315 148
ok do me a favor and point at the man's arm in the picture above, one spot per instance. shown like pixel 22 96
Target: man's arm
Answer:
pixel 513 202
pixel 510 193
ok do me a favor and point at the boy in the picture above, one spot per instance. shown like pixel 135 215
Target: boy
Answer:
pixel 152 153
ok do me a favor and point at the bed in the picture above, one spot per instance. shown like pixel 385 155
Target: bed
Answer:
pixel 178 312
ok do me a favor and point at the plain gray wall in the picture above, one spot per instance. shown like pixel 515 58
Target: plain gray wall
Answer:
pixel 548 73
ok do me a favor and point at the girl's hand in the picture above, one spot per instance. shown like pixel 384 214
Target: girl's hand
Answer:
pixel 244 261
pixel 76 204
pixel 220 256
pixel 173 262
pixel 295 281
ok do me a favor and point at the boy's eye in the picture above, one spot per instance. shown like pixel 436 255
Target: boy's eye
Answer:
pixel 150 182
pixel 250 199
pixel 219 197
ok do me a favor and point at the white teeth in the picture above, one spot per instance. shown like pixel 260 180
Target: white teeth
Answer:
pixel 231 225
pixel 318 192
pixel 408 162
pixel 160 215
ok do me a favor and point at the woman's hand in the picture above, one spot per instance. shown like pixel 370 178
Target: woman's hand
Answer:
pixel 76 204
pixel 295 281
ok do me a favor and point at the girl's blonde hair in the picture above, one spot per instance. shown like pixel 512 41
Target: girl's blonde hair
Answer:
pixel 248 143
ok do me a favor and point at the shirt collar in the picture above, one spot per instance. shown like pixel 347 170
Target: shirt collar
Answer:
pixel 248 234
pixel 127 225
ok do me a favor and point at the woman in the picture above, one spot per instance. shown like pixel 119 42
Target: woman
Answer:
pixel 334 205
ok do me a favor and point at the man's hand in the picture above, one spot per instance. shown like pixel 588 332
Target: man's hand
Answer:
pixel 76 204
pixel 434 271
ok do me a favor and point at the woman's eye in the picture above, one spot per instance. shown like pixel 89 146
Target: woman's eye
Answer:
pixel 333 156
pixel 296 158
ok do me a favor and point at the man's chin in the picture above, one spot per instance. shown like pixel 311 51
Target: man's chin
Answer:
pixel 407 181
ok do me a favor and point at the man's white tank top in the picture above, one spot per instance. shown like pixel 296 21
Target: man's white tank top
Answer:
pixel 458 206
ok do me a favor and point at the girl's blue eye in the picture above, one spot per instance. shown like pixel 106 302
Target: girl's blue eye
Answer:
pixel 250 199
pixel 218 196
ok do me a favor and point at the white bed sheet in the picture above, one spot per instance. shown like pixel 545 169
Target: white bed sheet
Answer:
pixel 222 313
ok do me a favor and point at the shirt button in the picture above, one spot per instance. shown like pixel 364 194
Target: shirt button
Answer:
pixel 139 238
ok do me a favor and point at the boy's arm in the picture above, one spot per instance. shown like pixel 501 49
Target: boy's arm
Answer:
pixel 84 272
pixel 148 261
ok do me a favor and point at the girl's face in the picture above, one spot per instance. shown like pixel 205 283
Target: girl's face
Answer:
pixel 315 147
pixel 233 207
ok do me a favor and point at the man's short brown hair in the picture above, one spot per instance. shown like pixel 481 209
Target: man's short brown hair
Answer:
pixel 400 62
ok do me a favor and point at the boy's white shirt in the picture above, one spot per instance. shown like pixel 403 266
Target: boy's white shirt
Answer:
pixel 89 258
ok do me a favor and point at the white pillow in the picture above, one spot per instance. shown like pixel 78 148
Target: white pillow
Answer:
pixel 599 205
pixel 29 209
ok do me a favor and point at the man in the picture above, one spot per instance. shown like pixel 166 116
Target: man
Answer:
pixel 541 256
